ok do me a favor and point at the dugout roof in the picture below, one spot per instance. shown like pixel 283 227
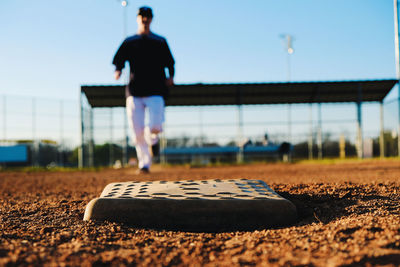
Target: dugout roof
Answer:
pixel 252 93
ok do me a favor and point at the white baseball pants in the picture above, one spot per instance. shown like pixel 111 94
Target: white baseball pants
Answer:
pixel 143 135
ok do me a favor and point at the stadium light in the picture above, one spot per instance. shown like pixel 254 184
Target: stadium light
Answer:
pixel 288 45
pixel 288 42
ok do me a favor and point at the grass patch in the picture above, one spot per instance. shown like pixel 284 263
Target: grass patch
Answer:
pixel 52 169
pixel 345 160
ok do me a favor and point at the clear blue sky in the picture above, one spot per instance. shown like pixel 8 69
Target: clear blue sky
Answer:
pixel 49 48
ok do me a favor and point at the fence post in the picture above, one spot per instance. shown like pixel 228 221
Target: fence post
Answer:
pixel 4 118
pixel 382 135
pixel 342 146
pixel 91 139
pixel 33 119
pixel 359 124
pixel 61 152
pixel 35 152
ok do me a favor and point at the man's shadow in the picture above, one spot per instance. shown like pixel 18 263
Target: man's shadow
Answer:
pixel 324 208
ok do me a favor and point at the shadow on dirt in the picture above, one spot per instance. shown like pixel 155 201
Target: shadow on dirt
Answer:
pixel 320 208
pixel 323 203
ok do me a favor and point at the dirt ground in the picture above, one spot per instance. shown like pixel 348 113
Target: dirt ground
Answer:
pixel 349 215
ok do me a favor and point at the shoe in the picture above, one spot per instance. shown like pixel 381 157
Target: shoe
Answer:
pixel 155 149
pixel 143 170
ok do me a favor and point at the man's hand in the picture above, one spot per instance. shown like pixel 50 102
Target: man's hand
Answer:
pixel 117 74
pixel 169 82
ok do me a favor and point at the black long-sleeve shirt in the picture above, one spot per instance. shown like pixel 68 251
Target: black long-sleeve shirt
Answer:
pixel 148 56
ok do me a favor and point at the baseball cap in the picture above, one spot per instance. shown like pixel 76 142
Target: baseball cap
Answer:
pixel 145 11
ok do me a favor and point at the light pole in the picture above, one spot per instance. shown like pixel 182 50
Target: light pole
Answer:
pixel 397 55
pixel 288 45
pixel 124 4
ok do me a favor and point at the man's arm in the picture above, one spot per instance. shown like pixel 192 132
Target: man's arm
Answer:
pixel 170 62
pixel 170 80
pixel 119 60
pixel 117 74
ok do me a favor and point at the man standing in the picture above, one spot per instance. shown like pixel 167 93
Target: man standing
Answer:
pixel 148 55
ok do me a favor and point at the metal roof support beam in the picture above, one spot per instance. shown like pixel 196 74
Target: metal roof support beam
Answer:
pixel 125 148
pixel 397 58
pixel 319 134
pixel 398 129
pixel 382 134
pixel 91 141
pixel 239 100
pixel 202 158
pixel 111 146
pixel 289 123
pixel 239 157
pixel 359 141
pixel 310 138
pixel 80 150
pixel 201 126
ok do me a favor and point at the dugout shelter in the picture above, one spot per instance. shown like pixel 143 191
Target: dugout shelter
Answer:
pixel 239 94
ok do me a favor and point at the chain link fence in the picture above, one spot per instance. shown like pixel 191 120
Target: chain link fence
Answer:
pixel 315 131
pixel 51 129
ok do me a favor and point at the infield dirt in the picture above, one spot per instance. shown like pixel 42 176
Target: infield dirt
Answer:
pixel 349 215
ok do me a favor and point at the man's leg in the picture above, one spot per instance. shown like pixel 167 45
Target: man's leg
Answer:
pixel 135 108
pixel 155 104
